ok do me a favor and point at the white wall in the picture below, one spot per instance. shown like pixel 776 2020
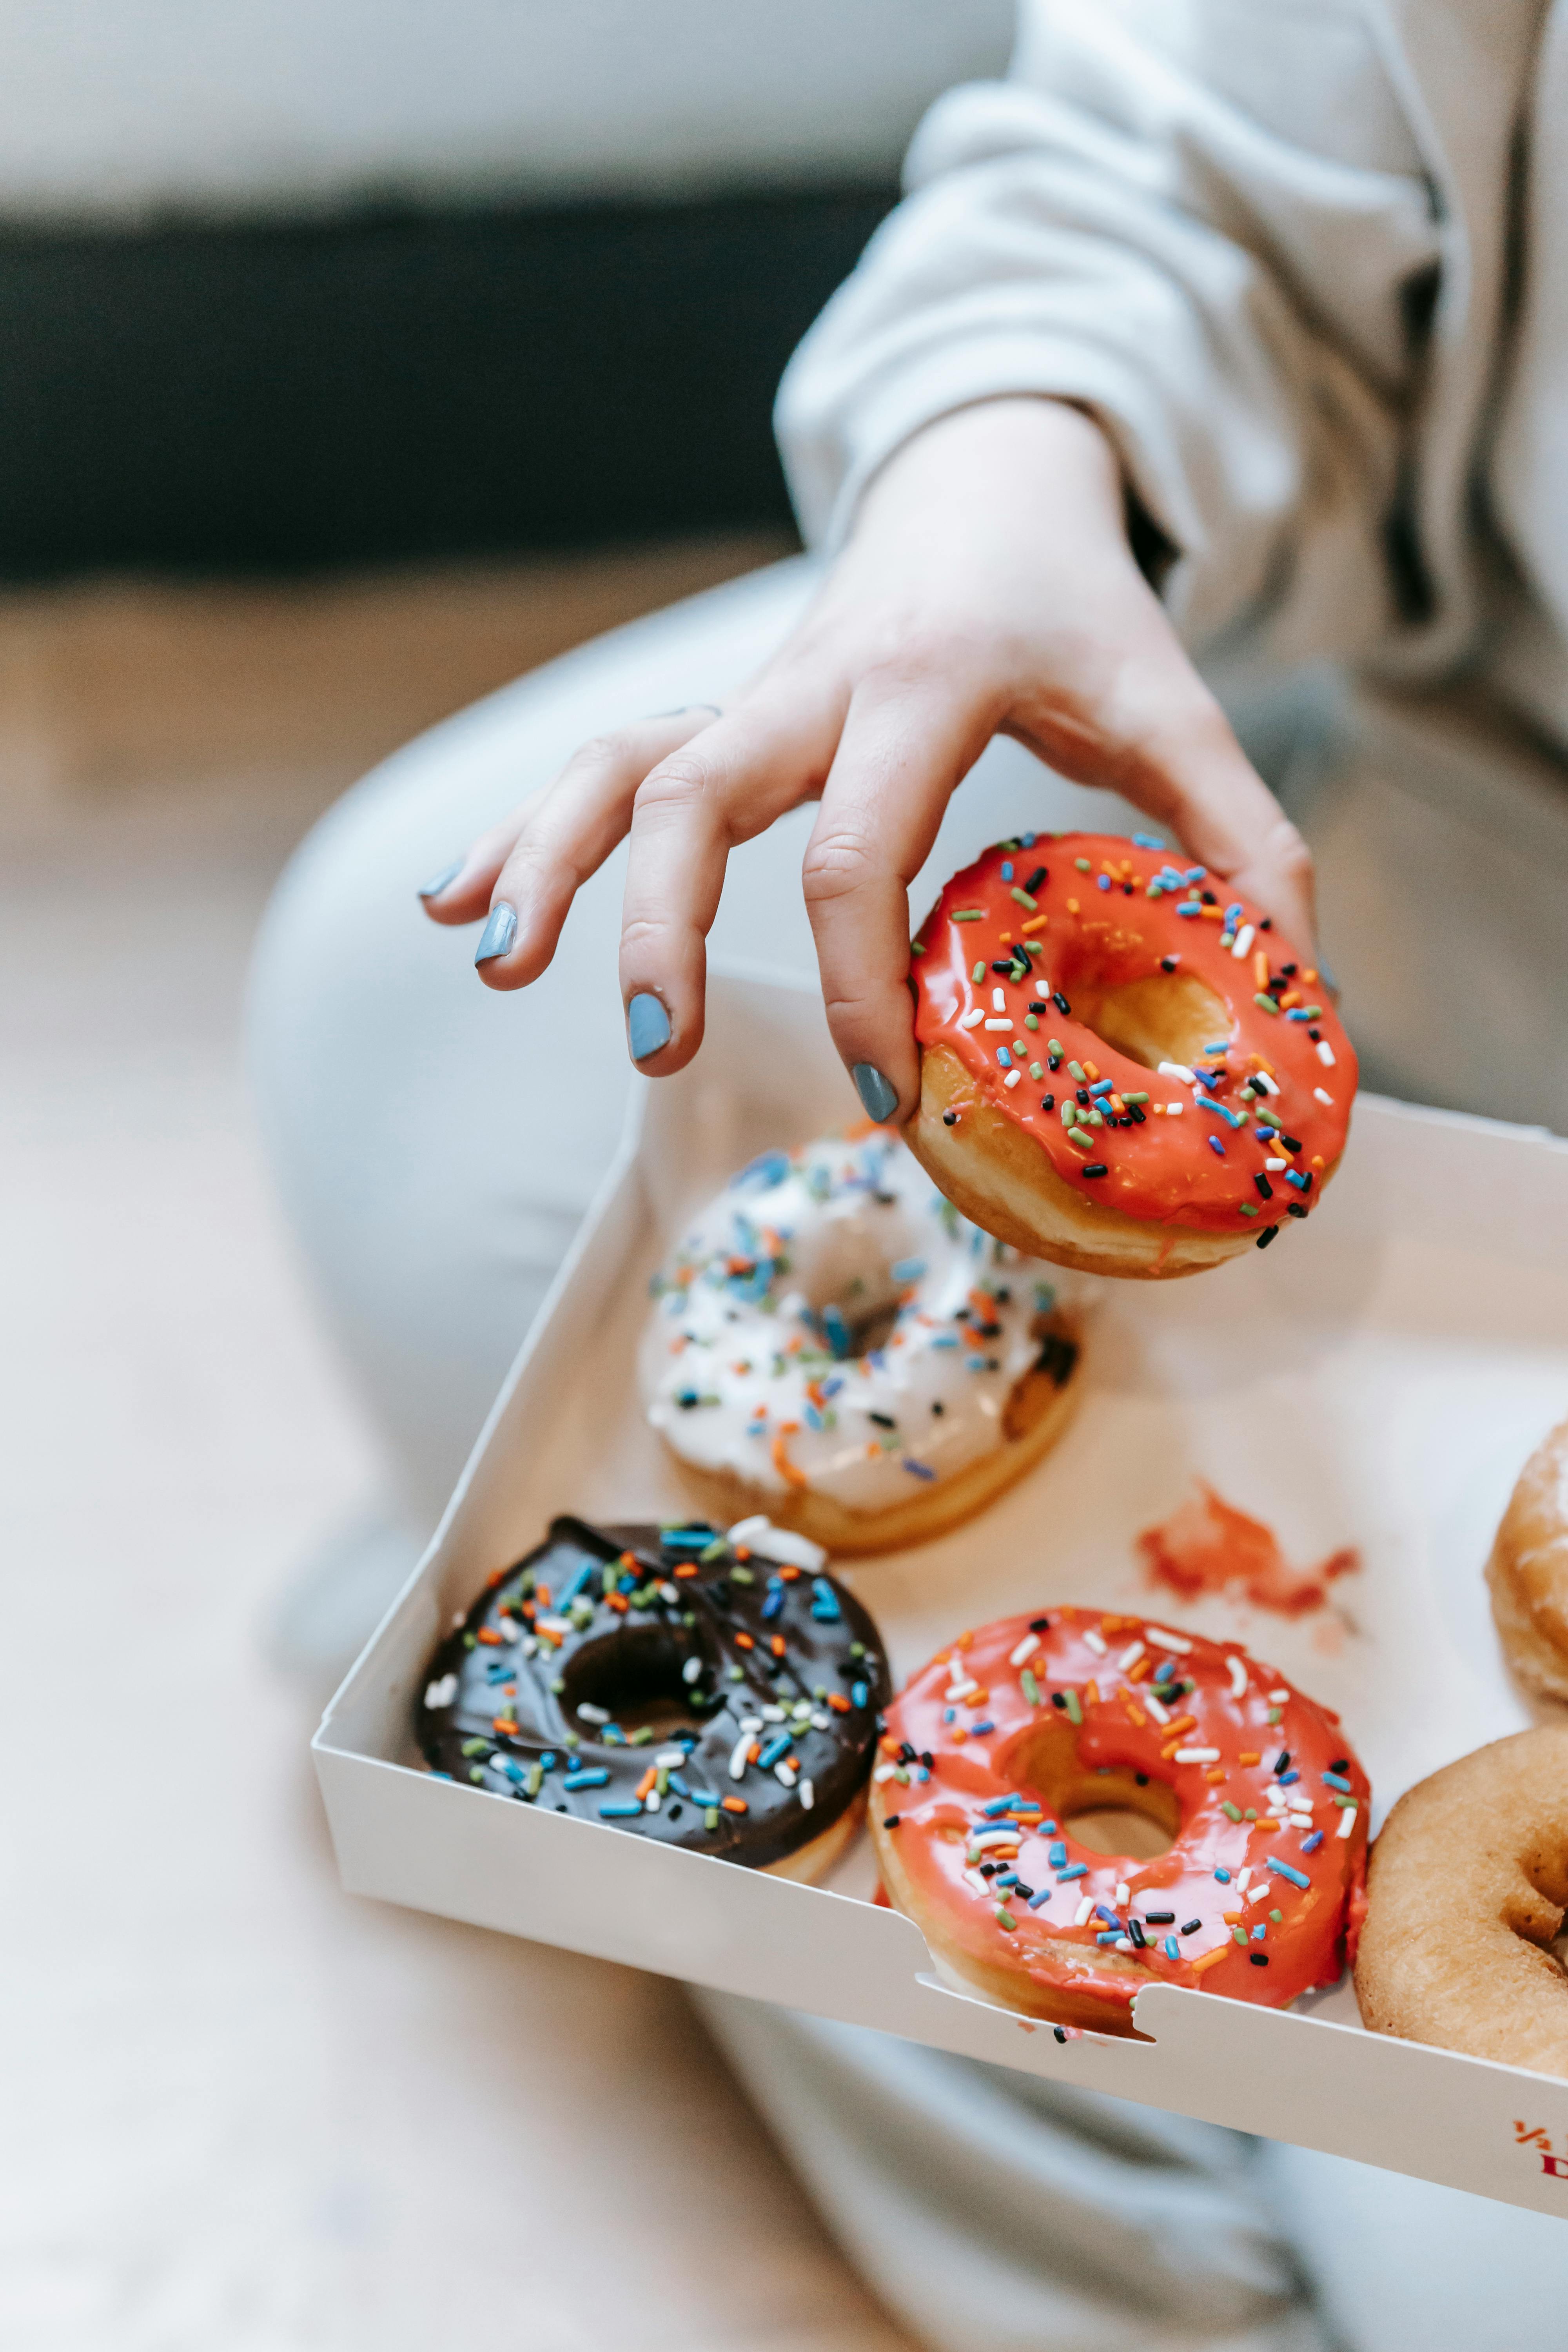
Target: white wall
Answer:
pixel 117 109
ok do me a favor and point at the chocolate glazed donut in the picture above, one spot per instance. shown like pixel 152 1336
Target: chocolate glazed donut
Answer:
pixel 669 1682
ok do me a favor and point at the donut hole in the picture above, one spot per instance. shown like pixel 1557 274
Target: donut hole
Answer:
pixel 858 1326
pixel 853 1306
pixel 1116 1809
pixel 1118 1829
pixel 1168 1016
pixel 637 1674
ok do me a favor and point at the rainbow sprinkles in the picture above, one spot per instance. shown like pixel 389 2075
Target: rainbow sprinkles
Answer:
pixel 1048 968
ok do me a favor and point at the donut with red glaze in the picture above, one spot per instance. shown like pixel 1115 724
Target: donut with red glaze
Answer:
pixel 1011 1733
pixel 1123 1066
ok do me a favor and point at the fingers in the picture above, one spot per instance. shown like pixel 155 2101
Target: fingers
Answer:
pixel 725 785
pixel 1188 772
pixel 525 873
pixel 1196 779
pixel 1280 878
pixel 1129 713
pixel 901 757
pixel 461 892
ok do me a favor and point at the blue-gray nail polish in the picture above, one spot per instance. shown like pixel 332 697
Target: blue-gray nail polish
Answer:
pixel 444 879
pixel 647 1026
pixel 497 935
pixel 874 1091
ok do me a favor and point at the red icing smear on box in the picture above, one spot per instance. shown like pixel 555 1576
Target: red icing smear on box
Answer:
pixel 1076 934
pixel 1208 1546
pixel 1104 1661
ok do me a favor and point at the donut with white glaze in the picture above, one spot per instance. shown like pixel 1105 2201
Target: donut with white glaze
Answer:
pixel 1528 1570
pixel 1010 1732
pixel 716 1693
pixel 834 1345
pixel 1123 1066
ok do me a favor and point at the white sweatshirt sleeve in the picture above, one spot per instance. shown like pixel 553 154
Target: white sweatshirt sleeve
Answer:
pixel 1207 221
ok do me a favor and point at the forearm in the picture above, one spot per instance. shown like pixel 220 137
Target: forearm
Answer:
pixel 1119 230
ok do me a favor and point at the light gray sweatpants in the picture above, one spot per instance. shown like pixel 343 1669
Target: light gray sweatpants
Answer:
pixel 435 1146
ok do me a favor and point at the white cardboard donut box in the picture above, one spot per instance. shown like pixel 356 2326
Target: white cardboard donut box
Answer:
pixel 1376 1380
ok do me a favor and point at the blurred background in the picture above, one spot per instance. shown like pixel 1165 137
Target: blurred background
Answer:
pixel 353 359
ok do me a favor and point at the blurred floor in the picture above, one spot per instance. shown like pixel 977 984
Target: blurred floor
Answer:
pixel 242 2113
pixel 291 691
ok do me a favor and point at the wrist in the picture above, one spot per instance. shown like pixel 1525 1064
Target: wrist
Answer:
pixel 1028 456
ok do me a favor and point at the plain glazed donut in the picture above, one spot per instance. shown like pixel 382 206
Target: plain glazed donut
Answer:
pixel 994 1749
pixel 1122 1068
pixel 671 1682
pixel 834 1345
pixel 1466 1894
pixel 1528 1570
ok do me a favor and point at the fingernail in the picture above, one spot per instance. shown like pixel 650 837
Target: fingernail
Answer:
pixel 497 935
pixel 874 1091
pixel 647 1026
pixel 444 879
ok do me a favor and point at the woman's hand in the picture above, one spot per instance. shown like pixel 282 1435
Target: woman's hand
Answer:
pixel 988 588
